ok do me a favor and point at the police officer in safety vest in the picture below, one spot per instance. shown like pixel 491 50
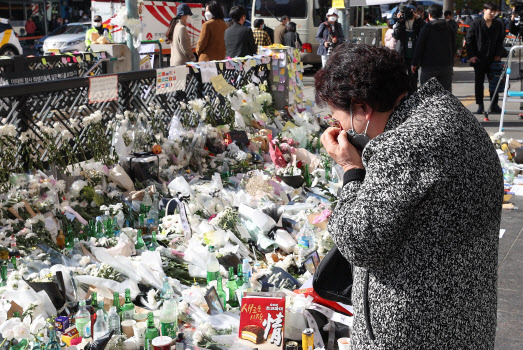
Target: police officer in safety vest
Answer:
pixel 99 28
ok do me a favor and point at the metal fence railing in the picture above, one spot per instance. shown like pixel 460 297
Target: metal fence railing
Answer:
pixel 39 105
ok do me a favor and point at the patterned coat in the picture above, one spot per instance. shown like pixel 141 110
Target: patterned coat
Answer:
pixel 421 227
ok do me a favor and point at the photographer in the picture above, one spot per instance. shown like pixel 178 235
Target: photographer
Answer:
pixel 517 10
pixel 406 32
pixel 330 34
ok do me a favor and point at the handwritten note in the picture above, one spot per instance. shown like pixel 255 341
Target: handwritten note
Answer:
pixel 103 89
pixel 208 70
pixel 221 85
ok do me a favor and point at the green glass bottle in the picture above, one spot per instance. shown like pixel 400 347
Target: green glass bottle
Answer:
pixel 221 293
pixel 140 244
pixel 3 274
pixel 213 266
pixel 154 243
pixel 13 261
pixel 116 303
pixel 53 343
pixel 128 306
pixel 69 239
pixel 239 279
pixel 151 332
pixel 99 229
pixel 231 285
pixel 307 175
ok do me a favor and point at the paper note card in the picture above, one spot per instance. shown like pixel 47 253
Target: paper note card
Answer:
pixel 208 71
pixel 221 85
pixel 103 89
pixel 171 79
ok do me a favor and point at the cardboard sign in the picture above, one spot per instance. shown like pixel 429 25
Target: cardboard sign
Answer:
pixel 102 89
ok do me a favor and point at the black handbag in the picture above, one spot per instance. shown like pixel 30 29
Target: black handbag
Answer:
pixel 333 278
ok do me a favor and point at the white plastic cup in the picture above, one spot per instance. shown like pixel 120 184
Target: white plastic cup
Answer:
pixel 344 343
pixel 139 332
pixel 127 327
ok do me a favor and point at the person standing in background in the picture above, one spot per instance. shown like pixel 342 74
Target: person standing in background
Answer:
pixel 484 46
pixel 330 34
pixel 279 31
pixel 435 50
pixel 390 42
pixel 451 22
pixel 239 40
pixel 292 38
pixel 261 37
pixel 269 31
pixel 30 27
pixel 211 44
pixel 178 37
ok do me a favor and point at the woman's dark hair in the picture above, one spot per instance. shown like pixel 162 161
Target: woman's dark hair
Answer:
pixel 237 12
pixel 361 74
pixel 435 10
pixel 291 27
pixel 215 9
pixel 489 5
pixel 170 30
pixel 258 23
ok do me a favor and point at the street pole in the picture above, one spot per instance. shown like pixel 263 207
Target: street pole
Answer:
pixel 46 23
pixel 132 12
pixel 448 5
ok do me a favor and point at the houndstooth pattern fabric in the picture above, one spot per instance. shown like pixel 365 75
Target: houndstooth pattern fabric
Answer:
pixel 424 224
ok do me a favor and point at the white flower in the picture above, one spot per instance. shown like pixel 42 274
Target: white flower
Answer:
pixel 8 130
pixel 197 337
pixel 38 324
pixel 84 261
pixel 77 186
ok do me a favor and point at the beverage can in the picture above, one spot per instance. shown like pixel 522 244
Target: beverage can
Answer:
pixel 307 339
pixel 291 345
pixel 162 343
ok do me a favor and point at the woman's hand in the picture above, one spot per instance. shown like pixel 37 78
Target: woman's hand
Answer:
pixel 340 149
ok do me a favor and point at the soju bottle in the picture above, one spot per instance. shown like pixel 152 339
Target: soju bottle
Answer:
pixel 3 273
pixel 225 170
pixel 128 306
pixel 154 213
pixel 93 309
pixel 13 262
pixel 109 228
pixel 307 176
pixel 141 223
pixel 169 318
pixel 114 321
pixel 221 293
pixel 116 303
pixel 231 285
pixel 151 332
pixel 69 238
pixel 60 240
pixel 99 229
pixel 213 266
pixel 147 202
pixel 167 290
pixel 239 280
pixel 140 244
pixel 154 243
pixel 83 321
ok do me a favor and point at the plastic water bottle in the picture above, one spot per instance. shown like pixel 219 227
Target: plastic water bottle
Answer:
pixel 114 321
pixel 100 327
pixel 306 241
pixel 167 290
pixel 247 269
pixel 83 320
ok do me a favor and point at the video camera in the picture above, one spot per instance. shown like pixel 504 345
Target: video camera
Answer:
pixel 405 13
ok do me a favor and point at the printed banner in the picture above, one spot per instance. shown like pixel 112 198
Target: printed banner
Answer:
pixel 171 79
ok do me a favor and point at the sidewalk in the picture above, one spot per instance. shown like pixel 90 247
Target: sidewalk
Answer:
pixel 509 335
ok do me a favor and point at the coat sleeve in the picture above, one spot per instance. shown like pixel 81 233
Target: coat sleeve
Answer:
pixel 341 36
pixel 471 41
pixel 251 43
pixel 371 214
pixel 499 43
pixel 420 46
pixel 203 39
pixel 185 42
pixel 319 35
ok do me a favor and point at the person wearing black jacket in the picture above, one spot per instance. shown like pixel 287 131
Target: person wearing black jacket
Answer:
pixel 239 40
pixel 406 32
pixel 514 29
pixel 435 49
pixel 484 46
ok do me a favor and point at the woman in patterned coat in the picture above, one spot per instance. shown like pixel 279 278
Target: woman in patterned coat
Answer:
pixel 420 208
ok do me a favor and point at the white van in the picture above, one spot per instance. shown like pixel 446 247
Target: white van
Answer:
pixel 307 14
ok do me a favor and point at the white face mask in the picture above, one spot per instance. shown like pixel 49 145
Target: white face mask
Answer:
pixel 332 18
pixel 97 24
pixel 208 15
